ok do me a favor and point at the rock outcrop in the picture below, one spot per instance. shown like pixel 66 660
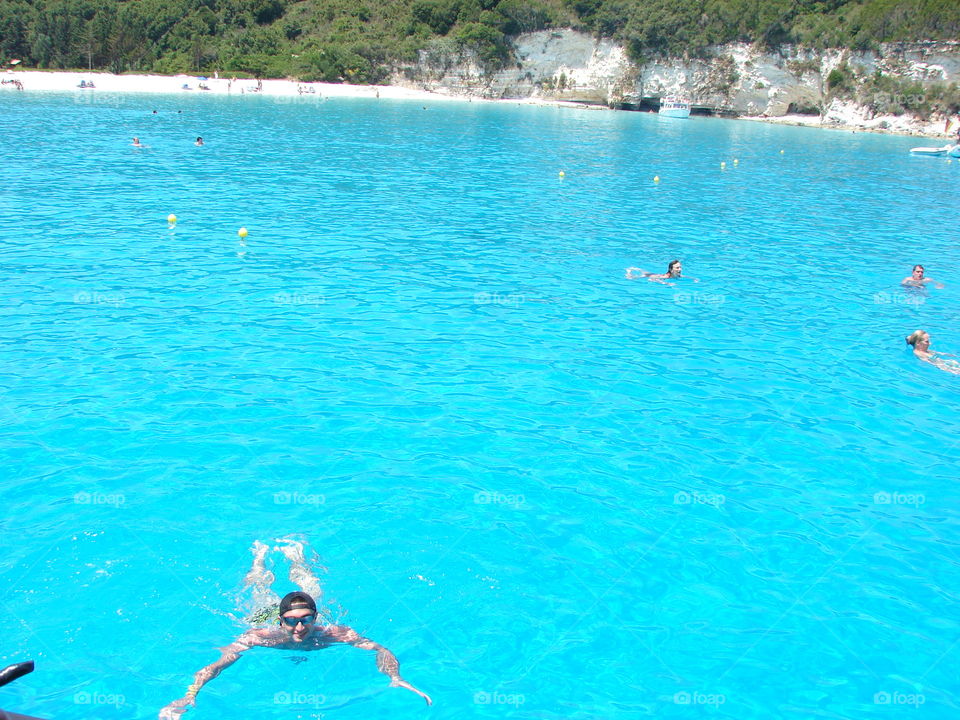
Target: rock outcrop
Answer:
pixel 737 80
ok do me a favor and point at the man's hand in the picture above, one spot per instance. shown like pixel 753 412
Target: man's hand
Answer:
pixel 177 708
pixel 398 682
pixel 386 661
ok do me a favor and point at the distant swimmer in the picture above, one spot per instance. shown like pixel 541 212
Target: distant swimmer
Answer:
pixel 674 272
pixel 199 142
pixel 916 279
pixel 299 627
pixel 920 341
pixel 136 143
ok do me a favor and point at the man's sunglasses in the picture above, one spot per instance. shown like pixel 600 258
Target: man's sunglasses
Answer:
pixel 294 621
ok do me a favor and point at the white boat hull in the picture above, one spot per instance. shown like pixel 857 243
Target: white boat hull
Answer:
pixel 674 106
pixel 951 149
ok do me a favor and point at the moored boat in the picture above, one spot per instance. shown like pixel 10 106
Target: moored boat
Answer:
pixel 676 107
pixel 953 150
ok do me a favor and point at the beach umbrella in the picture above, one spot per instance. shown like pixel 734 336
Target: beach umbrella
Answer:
pixel 14 62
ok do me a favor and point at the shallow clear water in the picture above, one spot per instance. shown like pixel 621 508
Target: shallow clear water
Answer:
pixel 551 491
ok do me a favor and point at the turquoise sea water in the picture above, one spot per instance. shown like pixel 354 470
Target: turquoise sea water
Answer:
pixel 551 491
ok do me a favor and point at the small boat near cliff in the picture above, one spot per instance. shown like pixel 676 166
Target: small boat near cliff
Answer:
pixel 951 150
pixel 675 107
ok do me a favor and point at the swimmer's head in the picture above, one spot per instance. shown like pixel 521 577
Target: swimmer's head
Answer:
pixel 298 613
pixel 674 268
pixel 918 271
pixel 918 337
pixel 297 600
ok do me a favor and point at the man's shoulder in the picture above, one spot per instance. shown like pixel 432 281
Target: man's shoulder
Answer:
pixel 340 633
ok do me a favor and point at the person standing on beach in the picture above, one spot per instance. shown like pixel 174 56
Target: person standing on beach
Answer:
pixel 298 628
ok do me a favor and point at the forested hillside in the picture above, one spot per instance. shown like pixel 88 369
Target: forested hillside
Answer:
pixel 363 40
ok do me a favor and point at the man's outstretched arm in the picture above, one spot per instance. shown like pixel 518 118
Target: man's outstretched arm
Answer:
pixel 229 655
pixel 386 660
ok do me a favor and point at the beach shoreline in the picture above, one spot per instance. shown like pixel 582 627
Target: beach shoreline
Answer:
pixel 104 83
pixel 900 125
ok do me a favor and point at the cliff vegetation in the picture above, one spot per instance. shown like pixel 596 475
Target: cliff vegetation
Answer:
pixel 363 41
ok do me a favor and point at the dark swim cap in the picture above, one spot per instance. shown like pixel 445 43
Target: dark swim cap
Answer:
pixel 296 601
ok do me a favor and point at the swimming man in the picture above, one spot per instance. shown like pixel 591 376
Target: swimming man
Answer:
pixel 916 279
pixel 298 630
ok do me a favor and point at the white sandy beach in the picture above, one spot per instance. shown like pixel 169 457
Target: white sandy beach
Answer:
pixel 840 116
pixel 107 83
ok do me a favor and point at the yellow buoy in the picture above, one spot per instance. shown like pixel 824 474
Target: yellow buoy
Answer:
pixel 656 178
pixel 781 152
pixel 562 174
pixel 171 218
pixel 723 166
pixel 736 161
pixel 242 232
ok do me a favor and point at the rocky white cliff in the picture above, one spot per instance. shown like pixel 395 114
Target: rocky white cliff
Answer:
pixel 738 80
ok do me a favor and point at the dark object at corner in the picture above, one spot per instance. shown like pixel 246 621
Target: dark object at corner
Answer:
pixel 8 675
